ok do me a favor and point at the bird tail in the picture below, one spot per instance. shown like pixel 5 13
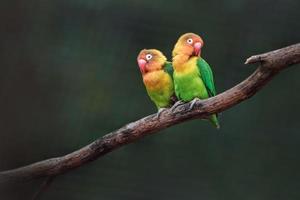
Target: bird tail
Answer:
pixel 214 120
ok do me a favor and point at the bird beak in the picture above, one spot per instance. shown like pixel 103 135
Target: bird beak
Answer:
pixel 142 65
pixel 197 48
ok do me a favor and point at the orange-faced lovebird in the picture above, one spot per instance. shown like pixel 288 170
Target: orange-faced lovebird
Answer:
pixel 193 77
pixel 157 75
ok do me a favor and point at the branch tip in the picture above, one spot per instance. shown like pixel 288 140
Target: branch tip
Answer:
pixel 253 59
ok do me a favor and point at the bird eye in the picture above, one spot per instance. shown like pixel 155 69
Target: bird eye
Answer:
pixel 148 56
pixel 190 41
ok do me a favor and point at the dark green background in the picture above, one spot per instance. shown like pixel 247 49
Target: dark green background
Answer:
pixel 68 75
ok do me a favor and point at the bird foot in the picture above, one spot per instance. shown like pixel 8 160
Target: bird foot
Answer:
pixel 160 110
pixel 193 103
pixel 178 103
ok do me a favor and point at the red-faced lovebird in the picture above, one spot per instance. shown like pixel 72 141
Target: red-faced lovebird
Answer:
pixel 157 75
pixel 193 77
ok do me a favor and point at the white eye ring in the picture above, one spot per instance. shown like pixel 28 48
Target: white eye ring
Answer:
pixel 149 56
pixel 190 41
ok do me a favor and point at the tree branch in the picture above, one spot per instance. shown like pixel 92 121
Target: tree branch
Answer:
pixel 270 64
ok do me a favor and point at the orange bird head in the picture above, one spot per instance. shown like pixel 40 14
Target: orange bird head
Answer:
pixel 150 60
pixel 188 44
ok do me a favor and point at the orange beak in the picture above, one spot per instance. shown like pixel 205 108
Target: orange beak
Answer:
pixel 142 65
pixel 197 48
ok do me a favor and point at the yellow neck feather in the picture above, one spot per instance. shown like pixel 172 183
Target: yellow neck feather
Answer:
pixel 184 64
pixel 156 79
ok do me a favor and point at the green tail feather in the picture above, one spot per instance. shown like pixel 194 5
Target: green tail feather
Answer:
pixel 214 120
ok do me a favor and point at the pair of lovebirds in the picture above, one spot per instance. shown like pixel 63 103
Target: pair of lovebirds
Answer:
pixel 189 76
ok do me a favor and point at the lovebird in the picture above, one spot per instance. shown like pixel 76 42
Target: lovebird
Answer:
pixel 193 77
pixel 157 75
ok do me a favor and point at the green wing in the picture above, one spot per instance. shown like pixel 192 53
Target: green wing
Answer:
pixel 207 76
pixel 169 68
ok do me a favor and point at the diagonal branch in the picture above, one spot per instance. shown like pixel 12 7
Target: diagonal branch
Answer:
pixel 271 63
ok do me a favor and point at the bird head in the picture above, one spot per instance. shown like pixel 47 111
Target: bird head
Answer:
pixel 188 44
pixel 150 60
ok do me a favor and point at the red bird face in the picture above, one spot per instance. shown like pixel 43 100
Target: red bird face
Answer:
pixel 144 58
pixel 189 44
pixel 150 60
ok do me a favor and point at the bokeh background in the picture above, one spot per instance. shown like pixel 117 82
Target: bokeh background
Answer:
pixel 68 75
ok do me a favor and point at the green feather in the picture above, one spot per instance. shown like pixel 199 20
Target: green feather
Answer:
pixel 169 68
pixel 207 76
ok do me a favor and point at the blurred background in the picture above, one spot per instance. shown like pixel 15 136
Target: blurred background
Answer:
pixel 68 75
